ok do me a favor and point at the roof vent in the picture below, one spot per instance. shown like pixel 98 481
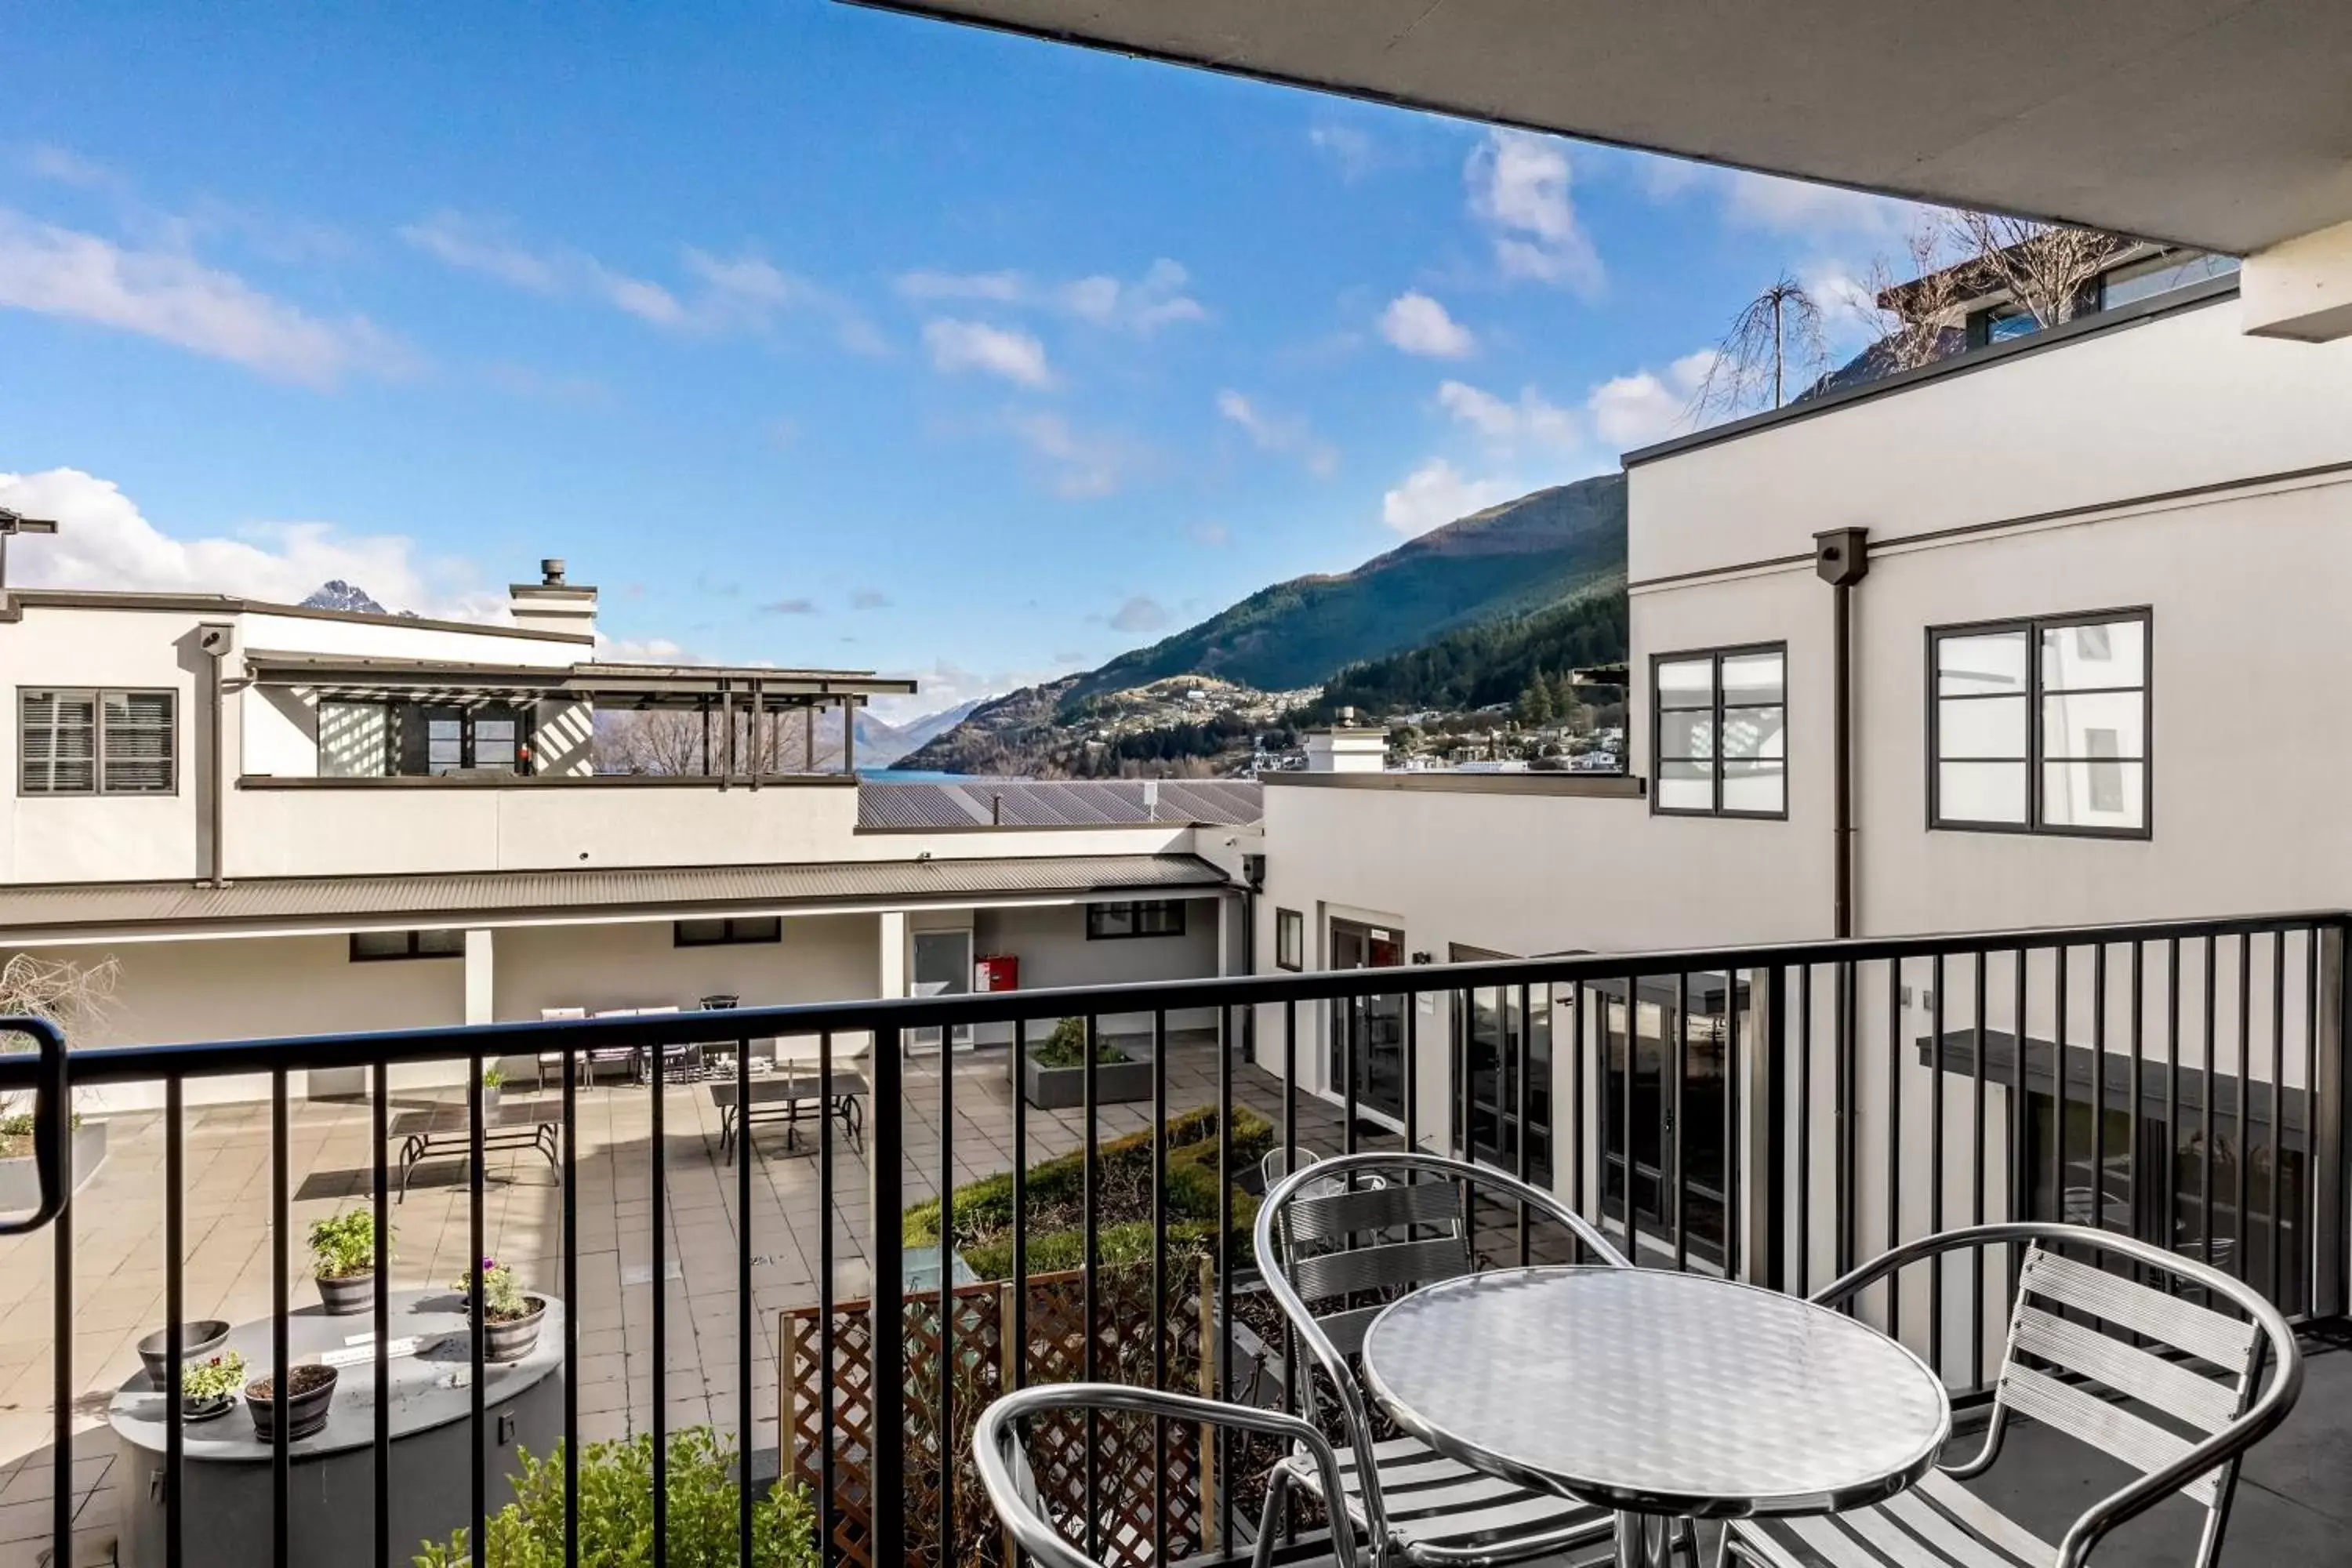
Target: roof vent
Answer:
pixel 551 571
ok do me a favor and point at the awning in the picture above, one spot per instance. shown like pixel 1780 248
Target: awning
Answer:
pixel 2224 124
pixel 658 892
pixel 632 685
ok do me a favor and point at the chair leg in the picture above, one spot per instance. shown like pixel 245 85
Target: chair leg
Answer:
pixel 1278 1484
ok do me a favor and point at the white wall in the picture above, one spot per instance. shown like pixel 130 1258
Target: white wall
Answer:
pixel 1051 943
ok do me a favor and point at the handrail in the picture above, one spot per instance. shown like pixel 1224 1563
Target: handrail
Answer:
pixel 52 1121
pixel 124 1064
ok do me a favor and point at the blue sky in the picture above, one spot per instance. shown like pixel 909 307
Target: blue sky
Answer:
pixel 810 334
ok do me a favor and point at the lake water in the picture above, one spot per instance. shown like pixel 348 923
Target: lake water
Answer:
pixel 909 775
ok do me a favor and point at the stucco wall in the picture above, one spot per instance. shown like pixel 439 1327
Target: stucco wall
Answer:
pixel 1052 944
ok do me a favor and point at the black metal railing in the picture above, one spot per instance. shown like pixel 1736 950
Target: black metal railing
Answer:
pixel 1777 1114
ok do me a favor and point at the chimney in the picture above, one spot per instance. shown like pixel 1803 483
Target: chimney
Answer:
pixel 553 605
pixel 1347 747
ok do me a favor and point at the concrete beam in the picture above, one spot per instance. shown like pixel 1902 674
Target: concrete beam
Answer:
pixel 2301 288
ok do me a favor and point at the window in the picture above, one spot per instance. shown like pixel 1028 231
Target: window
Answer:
pixel 2042 726
pixel 401 739
pixel 97 742
pixel 1999 323
pixel 1717 732
pixel 730 930
pixel 370 946
pixel 1289 939
pixel 2161 274
pixel 1143 917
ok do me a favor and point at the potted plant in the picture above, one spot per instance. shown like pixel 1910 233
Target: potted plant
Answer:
pixel 207 1388
pixel 343 1260
pixel 309 1393
pixel 197 1341
pixel 1054 1071
pixel 513 1318
pixel 493 1077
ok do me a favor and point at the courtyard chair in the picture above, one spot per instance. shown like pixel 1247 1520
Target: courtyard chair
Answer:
pixel 1326 1234
pixel 555 1058
pixel 2172 1388
pixel 1006 1475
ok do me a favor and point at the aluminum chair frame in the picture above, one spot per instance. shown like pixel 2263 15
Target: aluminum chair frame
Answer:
pixel 2151 1313
pixel 1005 1476
pixel 1275 1267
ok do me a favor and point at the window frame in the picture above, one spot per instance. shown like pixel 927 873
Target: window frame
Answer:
pixel 98 696
pixel 416 948
pixel 730 936
pixel 1658 729
pixel 1176 906
pixel 1290 924
pixel 2033 626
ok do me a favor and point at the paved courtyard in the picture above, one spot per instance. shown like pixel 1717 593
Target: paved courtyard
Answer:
pixel 119 1263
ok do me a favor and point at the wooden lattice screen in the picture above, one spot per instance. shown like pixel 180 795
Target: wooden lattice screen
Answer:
pixel 1127 1471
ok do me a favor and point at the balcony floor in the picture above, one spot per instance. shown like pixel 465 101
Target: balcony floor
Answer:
pixel 2295 1506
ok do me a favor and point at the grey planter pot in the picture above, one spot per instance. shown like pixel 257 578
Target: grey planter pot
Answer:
pixel 1064 1089
pixel 306 1407
pixel 198 1340
pixel 20 1181
pixel 348 1295
pixel 513 1341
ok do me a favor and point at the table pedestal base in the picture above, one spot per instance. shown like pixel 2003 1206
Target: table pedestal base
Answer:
pixel 1654 1540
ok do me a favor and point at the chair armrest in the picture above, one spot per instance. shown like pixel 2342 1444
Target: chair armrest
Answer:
pixel 1045 1544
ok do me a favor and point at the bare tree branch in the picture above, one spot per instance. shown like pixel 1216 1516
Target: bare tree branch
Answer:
pixel 2047 268
pixel 1774 347
pixel 669 740
pixel 1916 314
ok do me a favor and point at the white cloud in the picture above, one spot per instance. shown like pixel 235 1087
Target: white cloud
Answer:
pixel 1351 151
pixel 172 296
pixel 67 167
pixel 1015 355
pixel 1278 432
pixel 946 684
pixel 1532 419
pixel 642 650
pixel 1801 206
pixel 1519 188
pixel 103 542
pixel 1436 493
pixel 717 294
pixel 1632 411
pixel 1208 534
pixel 1140 616
pixel 1155 299
pixel 1082 465
pixel 1419 325
pixel 789 607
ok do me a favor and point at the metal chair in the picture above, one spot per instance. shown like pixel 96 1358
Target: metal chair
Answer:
pixel 1939 1524
pixel 1011 1487
pixel 1322 1234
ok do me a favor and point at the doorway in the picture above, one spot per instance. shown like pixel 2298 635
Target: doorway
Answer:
pixel 1498 1040
pixel 1368 1032
pixel 939 964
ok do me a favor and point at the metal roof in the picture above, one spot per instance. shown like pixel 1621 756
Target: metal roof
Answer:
pixel 454 898
pixel 1060 803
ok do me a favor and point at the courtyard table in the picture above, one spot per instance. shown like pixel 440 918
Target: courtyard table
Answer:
pixel 1661 1395
pixel 780 1097
pixel 226 1518
pixel 442 1130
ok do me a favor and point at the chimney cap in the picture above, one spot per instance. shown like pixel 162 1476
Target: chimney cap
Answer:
pixel 551 571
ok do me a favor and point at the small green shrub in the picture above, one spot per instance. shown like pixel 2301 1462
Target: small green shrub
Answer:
pixel 616 1512
pixel 502 1296
pixel 493 1076
pixel 1066 1047
pixel 204 1381
pixel 344 1245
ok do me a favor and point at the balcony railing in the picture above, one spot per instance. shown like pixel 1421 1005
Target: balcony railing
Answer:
pixel 1776 1113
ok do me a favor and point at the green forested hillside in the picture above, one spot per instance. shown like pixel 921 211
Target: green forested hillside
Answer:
pixel 1520 555
pixel 1493 661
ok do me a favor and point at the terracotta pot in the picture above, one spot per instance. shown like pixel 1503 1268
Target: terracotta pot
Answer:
pixel 348 1295
pixel 310 1394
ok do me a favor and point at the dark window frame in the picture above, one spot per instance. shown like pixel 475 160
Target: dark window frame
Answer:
pixel 736 930
pixel 1290 932
pixel 415 945
pixel 1173 908
pixel 1657 734
pixel 2033 626
pixel 98 695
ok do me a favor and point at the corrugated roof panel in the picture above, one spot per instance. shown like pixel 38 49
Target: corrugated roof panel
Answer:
pixel 1058 802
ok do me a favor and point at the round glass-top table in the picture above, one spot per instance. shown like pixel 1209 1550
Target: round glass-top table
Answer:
pixel 1658 1395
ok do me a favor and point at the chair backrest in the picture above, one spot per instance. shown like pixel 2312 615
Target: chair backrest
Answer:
pixel 2074 1364
pixel 1327 1236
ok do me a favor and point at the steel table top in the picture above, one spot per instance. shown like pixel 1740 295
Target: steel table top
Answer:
pixel 1657 1393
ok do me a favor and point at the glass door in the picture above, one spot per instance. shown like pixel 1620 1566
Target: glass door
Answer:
pixel 1368 1032
pixel 1495 1042
pixel 940 965
pixel 1670 1119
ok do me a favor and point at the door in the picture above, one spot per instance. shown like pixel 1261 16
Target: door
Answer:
pixel 940 965
pixel 1497 1043
pixel 1671 1116
pixel 1368 1032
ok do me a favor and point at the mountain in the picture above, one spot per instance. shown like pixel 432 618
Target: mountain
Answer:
pixel 1516 556
pixel 881 743
pixel 1523 565
pixel 1493 661
pixel 337 594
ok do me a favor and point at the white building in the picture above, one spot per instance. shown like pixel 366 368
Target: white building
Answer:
pixel 277 820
